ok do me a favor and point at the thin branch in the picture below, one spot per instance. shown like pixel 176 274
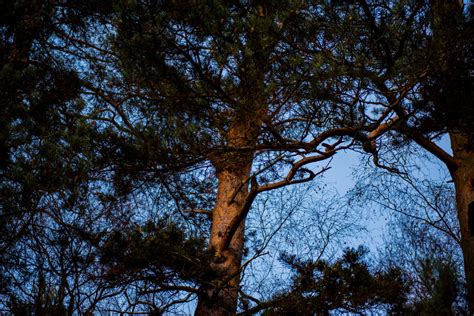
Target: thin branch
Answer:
pixel 207 212
pixel 168 287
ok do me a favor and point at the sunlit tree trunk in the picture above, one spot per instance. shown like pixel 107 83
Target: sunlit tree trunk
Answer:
pixel 233 171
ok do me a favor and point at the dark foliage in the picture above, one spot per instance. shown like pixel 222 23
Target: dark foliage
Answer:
pixel 159 253
pixel 442 289
pixel 99 100
pixel 447 92
pixel 346 285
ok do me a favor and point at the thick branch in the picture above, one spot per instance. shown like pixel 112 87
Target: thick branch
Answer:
pixel 430 146
pixel 256 189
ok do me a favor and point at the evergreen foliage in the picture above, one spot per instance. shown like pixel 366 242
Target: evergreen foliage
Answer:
pixel 159 253
pixel 194 108
pixel 347 285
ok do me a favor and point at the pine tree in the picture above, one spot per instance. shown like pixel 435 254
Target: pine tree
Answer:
pixel 256 91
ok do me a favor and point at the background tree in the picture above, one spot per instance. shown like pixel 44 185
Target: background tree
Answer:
pixel 40 132
pixel 425 49
pixel 46 174
pixel 304 221
pixel 422 234
pixel 448 95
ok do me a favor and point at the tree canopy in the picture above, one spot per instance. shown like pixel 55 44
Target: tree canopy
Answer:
pixel 137 136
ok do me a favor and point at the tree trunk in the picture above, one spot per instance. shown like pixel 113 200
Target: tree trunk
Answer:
pixel 463 178
pixel 233 170
pixel 455 102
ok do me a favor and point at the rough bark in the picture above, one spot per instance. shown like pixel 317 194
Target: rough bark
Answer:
pixel 233 171
pixel 463 176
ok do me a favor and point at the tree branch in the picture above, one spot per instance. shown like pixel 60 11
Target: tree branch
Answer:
pixel 256 189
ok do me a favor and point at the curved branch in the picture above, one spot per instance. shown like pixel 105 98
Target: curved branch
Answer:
pixel 430 146
pixel 256 189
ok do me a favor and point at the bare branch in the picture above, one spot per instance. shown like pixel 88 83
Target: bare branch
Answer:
pixel 169 287
pixel 206 212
